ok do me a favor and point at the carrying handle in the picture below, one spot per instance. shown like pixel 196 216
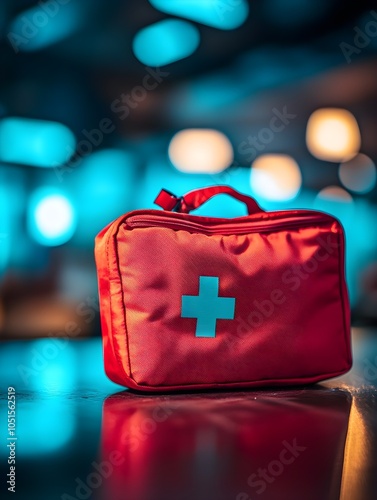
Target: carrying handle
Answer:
pixel 194 199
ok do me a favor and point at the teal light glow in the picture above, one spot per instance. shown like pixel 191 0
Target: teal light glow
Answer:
pixel 5 246
pixel 54 365
pixel 35 142
pixel 51 217
pixel 224 15
pixel 14 243
pixel 108 177
pixel 91 371
pixel 165 42
pixel 44 25
pixel 48 367
pixel 44 427
pixel 52 357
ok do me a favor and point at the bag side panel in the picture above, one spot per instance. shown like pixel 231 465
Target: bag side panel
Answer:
pixel 305 338
pixel 114 334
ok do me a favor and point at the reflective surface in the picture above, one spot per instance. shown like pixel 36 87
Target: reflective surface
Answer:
pixel 80 436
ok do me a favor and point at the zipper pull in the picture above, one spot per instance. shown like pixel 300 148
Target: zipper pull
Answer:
pixel 168 201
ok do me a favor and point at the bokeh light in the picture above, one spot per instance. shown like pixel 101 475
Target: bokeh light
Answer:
pixel 358 174
pixel 108 176
pixel 200 150
pixel 333 134
pixel 275 177
pixel 45 24
pixel 51 217
pixel 52 418
pixel 5 247
pixel 165 42
pixel 334 194
pixel 221 15
pixel 35 142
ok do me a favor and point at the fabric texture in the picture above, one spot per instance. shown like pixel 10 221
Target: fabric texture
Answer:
pixel 164 276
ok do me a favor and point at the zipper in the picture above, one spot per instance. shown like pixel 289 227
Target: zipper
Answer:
pixel 139 221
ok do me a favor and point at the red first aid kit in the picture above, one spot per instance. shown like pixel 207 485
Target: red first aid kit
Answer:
pixel 192 302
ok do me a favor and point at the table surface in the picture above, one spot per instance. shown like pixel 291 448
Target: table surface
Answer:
pixel 80 436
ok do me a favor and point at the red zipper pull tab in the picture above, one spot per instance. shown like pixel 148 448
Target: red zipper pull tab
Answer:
pixel 168 200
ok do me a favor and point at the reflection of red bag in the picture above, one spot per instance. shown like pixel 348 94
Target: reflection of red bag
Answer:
pixel 199 302
pixel 287 446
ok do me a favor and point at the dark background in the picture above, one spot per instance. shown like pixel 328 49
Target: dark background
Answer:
pixel 301 55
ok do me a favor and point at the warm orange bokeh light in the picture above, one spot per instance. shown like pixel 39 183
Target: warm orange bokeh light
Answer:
pixel 275 177
pixel 333 134
pixel 200 151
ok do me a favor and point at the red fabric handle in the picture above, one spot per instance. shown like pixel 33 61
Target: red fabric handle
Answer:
pixel 194 199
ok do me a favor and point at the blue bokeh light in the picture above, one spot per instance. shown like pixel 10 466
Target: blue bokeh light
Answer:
pixel 45 427
pixel 221 15
pixel 102 187
pixel 165 42
pixel 5 247
pixel 45 24
pixel 14 243
pixel 35 142
pixel 51 217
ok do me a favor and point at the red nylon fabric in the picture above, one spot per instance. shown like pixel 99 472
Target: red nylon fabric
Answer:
pixel 194 199
pixel 286 273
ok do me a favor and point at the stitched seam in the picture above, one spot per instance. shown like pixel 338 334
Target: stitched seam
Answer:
pixel 341 290
pixel 123 302
pixel 114 341
pixel 246 382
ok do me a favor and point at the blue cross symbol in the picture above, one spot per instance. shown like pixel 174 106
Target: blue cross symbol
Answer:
pixel 207 307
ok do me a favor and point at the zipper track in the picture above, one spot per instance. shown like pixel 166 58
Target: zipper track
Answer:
pixel 225 228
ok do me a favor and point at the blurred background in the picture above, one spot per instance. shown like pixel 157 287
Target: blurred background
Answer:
pixel 103 103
